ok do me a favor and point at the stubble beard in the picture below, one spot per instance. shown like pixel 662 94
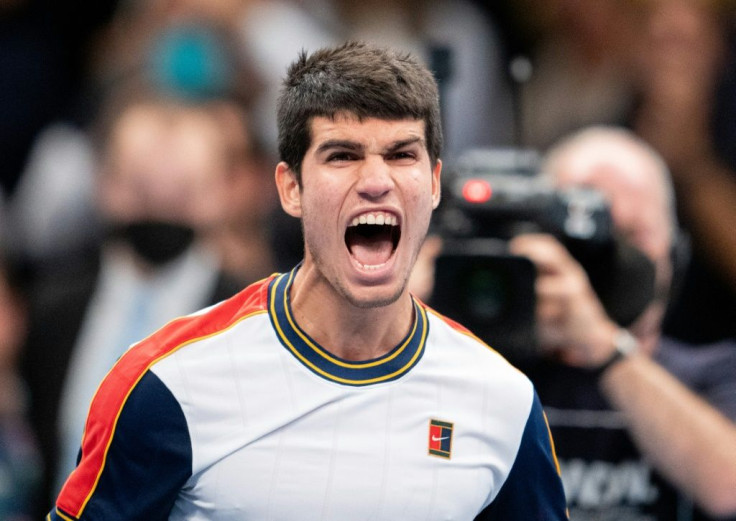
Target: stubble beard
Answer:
pixel 349 296
pixel 320 265
pixel 344 292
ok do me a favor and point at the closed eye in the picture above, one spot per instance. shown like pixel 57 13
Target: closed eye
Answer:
pixel 402 157
pixel 341 156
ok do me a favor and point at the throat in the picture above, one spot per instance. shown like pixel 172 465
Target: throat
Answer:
pixel 371 245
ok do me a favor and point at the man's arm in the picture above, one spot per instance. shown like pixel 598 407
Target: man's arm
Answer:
pixel 135 457
pixel 685 438
pixel 533 488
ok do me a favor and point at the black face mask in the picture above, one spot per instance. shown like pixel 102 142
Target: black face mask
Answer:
pixel 156 242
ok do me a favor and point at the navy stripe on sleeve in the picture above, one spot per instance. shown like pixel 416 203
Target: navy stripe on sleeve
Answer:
pixel 533 490
pixel 149 460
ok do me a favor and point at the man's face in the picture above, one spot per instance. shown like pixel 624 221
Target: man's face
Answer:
pixel 159 165
pixel 368 191
pixel 629 180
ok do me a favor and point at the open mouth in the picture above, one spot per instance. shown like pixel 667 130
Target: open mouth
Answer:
pixel 372 238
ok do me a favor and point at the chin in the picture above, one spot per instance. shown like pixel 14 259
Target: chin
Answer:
pixel 369 298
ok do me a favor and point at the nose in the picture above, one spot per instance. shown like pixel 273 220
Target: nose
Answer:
pixel 375 179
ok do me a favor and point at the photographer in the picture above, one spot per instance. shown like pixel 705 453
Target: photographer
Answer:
pixel 621 400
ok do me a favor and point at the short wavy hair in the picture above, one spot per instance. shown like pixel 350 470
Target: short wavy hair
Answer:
pixel 360 79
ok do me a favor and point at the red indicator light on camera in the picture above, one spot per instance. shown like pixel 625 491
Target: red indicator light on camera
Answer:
pixel 477 191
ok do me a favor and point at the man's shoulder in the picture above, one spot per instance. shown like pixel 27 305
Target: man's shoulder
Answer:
pixel 186 331
pixel 458 346
pixel 707 369
pixel 205 323
pixel 136 363
pixel 691 362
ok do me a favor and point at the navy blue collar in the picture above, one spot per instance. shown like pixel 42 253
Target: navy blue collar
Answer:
pixel 390 366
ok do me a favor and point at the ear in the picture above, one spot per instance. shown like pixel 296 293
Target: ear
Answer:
pixel 437 184
pixel 289 190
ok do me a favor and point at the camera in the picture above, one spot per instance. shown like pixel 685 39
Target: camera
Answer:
pixel 493 195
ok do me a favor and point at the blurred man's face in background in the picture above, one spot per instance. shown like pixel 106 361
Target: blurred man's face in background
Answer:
pixel 631 181
pixel 165 164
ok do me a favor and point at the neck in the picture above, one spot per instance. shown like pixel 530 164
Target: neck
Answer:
pixel 345 330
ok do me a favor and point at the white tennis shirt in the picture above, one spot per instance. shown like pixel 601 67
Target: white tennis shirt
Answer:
pixel 235 413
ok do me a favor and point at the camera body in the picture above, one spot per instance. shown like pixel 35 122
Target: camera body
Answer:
pixel 501 193
pixel 495 194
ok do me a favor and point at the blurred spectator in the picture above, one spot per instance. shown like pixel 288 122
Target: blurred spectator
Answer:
pixel 183 48
pixel 190 47
pixel 580 58
pixel 162 188
pixel 628 408
pixel 20 461
pixel 687 110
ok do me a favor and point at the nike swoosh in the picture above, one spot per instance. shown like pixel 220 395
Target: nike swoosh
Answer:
pixel 435 438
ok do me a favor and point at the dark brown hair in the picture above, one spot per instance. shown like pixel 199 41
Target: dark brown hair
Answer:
pixel 359 79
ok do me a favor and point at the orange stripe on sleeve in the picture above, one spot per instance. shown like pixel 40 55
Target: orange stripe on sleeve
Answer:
pixel 110 398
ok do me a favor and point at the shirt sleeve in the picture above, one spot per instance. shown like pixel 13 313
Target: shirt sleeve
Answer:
pixel 134 458
pixel 533 489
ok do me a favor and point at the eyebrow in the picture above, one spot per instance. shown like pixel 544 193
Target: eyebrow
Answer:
pixel 352 145
pixel 398 145
pixel 338 143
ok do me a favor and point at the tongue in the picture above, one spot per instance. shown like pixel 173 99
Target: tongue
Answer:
pixel 371 252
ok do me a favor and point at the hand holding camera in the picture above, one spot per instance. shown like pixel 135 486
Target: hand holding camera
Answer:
pixel 571 321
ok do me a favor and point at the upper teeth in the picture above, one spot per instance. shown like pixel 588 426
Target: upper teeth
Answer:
pixel 375 218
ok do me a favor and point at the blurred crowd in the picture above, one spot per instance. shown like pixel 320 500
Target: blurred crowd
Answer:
pixel 138 143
